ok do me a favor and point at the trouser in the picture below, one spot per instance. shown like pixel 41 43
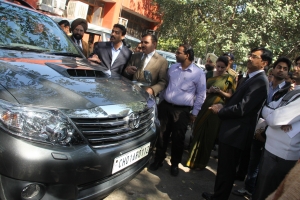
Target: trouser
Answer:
pixel 272 171
pixel 255 156
pixel 173 123
pixel 243 164
pixel 229 157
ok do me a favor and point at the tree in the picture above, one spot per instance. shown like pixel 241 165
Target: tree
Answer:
pixel 231 25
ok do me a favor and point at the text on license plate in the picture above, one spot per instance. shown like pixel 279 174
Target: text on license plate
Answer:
pixel 130 157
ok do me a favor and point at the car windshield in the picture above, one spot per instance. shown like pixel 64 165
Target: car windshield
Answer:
pixel 27 30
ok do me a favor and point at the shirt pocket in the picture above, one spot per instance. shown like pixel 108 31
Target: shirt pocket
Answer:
pixel 187 87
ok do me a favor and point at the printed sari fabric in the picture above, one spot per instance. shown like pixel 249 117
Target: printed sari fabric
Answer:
pixel 206 125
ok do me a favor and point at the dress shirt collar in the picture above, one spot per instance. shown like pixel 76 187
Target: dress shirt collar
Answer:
pixel 190 67
pixel 78 42
pixel 279 86
pixel 254 73
pixel 120 48
pixel 149 55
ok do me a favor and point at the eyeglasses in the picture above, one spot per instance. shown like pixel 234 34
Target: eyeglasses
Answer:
pixel 253 56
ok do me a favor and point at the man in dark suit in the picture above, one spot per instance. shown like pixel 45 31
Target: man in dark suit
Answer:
pixel 148 60
pixel 78 28
pixel 113 55
pixel 239 117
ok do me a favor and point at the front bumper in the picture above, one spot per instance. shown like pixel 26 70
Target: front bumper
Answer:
pixel 66 172
pixel 13 188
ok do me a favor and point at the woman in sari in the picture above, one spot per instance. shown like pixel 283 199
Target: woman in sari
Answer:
pixel 206 126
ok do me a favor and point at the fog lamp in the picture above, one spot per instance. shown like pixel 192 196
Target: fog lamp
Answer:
pixel 33 192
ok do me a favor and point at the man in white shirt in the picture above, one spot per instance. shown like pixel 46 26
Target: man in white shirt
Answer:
pixel 282 149
pixel 112 56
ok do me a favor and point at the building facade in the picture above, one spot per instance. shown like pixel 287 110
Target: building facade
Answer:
pixel 137 15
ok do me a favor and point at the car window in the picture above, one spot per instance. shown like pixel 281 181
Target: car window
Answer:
pixel 22 28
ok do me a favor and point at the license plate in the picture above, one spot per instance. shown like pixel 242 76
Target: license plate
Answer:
pixel 130 157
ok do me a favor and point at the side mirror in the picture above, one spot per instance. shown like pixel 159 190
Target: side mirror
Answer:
pixel 148 76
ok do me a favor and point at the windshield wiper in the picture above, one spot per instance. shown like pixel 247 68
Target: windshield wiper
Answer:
pixel 64 54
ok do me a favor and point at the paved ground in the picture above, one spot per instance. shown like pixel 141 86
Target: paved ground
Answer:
pixel 160 185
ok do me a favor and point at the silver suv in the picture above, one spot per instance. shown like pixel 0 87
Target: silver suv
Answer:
pixel 67 131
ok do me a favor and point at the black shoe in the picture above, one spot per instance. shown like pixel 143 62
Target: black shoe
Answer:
pixel 174 170
pixel 155 165
pixel 207 196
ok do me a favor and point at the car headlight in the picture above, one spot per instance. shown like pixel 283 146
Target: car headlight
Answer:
pixel 43 125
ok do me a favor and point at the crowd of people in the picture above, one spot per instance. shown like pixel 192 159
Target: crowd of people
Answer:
pixel 255 120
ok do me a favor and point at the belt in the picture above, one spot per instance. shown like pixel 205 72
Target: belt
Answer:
pixel 177 106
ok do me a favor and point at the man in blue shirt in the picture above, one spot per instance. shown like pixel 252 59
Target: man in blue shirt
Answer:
pixel 186 89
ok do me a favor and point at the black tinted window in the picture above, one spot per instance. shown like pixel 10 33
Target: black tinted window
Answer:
pixel 27 29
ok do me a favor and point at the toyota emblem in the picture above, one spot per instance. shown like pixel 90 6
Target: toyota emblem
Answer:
pixel 134 120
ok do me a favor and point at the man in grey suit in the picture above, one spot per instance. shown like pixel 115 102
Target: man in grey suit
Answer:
pixel 113 55
pixel 239 117
pixel 148 60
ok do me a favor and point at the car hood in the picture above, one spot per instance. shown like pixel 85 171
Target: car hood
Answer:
pixel 62 82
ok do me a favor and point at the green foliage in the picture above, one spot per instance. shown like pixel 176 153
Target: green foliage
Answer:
pixel 231 25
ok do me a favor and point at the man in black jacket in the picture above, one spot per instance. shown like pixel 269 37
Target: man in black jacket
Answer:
pixel 113 55
pixel 239 117
pixel 277 89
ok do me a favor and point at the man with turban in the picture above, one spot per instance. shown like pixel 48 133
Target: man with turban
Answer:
pixel 78 28
pixel 210 65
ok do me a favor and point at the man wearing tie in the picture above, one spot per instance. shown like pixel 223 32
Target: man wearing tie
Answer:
pixel 239 117
pixel 78 28
pixel 148 60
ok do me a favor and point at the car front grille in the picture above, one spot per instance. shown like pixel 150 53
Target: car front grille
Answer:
pixel 107 132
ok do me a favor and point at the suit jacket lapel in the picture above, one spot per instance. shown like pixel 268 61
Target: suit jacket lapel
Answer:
pixel 120 55
pixel 108 51
pixel 244 85
pixel 152 61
